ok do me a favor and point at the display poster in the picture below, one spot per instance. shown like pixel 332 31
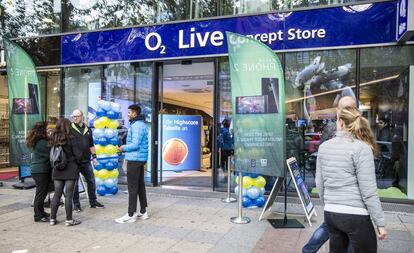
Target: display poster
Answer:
pixel 301 189
pixel 258 99
pixel 24 171
pixel 24 99
pixel 181 142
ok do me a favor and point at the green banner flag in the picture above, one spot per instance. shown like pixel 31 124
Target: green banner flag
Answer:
pixel 24 99
pixel 258 100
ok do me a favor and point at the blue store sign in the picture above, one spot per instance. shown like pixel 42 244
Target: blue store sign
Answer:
pixel 327 27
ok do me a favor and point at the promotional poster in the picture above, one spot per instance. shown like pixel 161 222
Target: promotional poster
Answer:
pixel 181 142
pixel 258 96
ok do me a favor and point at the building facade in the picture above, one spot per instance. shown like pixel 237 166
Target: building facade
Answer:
pixel 171 58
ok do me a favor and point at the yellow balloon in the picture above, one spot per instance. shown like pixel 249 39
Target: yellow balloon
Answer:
pixel 95 172
pixel 103 174
pixel 113 124
pixel 98 124
pixel 114 173
pixel 247 182
pixel 110 149
pixel 259 182
pixel 105 121
pixel 99 149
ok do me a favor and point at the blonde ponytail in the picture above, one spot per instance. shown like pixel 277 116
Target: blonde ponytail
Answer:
pixel 358 126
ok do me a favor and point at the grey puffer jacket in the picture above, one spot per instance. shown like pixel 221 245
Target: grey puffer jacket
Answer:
pixel 345 175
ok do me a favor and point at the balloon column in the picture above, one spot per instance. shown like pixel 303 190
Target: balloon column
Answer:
pixel 106 142
pixel 253 190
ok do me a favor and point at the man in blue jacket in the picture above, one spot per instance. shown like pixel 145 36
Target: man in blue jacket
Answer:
pixel 136 155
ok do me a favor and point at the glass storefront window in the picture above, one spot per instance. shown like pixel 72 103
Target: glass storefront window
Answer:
pixel 315 81
pixel 51 82
pixel 384 100
pixel 20 18
pixel 4 121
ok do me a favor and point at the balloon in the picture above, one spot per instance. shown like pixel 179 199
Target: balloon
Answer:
pixel 100 103
pixel 111 114
pixel 95 141
pixel 98 124
pixel 113 124
pixel 101 190
pixel 253 192
pixel 99 166
pixel 110 165
pixel 259 182
pixel 101 112
pixel 105 121
pixel 114 141
pixel 98 133
pixel 99 150
pixel 98 181
pixel 113 190
pixel 114 173
pixel 110 133
pixel 262 191
pixel 102 141
pixel 109 183
pixel 246 202
pixel 254 175
pixel 110 149
pixel 103 174
pixel 247 181
pixel 106 105
pixel 115 107
pixel 236 191
pixel 259 202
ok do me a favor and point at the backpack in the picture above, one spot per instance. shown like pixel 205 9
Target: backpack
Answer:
pixel 57 158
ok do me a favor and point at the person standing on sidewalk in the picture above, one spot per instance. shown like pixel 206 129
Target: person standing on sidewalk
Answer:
pixel 346 182
pixel 136 155
pixel 85 149
pixel 40 168
pixel 321 234
pixel 67 176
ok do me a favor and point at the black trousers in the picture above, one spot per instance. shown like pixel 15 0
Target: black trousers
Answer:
pixel 350 228
pixel 225 153
pixel 87 172
pixel 59 186
pixel 42 181
pixel 136 186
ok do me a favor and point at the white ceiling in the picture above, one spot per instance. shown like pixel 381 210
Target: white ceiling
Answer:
pixel 189 85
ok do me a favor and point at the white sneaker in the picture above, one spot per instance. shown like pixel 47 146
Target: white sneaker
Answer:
pixel 127 219
pixel 143 216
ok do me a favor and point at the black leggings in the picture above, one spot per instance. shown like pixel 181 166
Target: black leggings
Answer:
pixel 70 187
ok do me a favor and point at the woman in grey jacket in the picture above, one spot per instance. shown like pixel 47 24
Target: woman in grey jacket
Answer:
pixel 345 178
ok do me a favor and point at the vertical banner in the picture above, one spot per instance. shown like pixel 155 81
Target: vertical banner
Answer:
pixel 181 142
pixel 258 100
pixel 24 99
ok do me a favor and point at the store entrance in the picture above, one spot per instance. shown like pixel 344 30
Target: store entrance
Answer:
pixel 185 124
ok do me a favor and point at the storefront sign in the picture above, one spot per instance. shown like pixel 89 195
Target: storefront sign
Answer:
pixel 181 142
pixel 258 100
pixel 327 27
pixel 24 100
pixel 405 20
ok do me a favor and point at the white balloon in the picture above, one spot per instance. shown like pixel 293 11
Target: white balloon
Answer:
pixel 101 103
pixel 109 133
pixel 116 107
pixel 106 105
pixel 98 133
pixel 109 183
pixel 262 191
pixel 98 181
pixel 236 191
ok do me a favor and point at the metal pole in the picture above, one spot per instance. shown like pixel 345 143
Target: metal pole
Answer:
pixel 240 219
pixel 229 169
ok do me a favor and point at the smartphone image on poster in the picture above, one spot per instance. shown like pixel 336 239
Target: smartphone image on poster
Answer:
pixel 251 104
pixel 22 106
pixel 34 96
pixel 270 88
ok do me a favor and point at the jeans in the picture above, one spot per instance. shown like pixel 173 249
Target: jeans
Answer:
pixel 345 229
pixel 136 186
pixel 87 172
pixel 318 239
pixel 59 186
pixel 42 181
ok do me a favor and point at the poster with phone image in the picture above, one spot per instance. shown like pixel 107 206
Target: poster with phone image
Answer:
pixel 34 97
pixel 270 90
pixel 251 104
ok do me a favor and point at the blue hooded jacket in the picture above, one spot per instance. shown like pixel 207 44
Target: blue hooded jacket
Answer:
pixel 136 147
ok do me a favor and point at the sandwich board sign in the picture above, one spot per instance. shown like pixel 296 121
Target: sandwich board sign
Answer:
pixel 301 189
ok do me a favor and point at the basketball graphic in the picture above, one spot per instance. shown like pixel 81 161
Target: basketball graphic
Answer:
pixel 174 151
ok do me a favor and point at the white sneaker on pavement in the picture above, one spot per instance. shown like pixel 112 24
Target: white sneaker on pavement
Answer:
pixel 143 216
pixel 127 219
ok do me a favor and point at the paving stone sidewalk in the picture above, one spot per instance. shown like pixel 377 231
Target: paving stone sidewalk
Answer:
pixel 176 224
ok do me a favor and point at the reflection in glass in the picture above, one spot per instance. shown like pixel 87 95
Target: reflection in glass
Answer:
pixel 384 101
pixel 50 80
pixel 44 51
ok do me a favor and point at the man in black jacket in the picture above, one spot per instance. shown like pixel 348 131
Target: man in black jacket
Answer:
pixel 86 149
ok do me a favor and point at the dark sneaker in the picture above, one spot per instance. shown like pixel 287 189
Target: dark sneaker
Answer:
pixel 97 205
pixel 69 223
pixel 77 209
pixel 47 215
pixel 43 219
pixel 52 222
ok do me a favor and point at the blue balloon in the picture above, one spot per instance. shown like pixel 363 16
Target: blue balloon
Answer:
pixel 110 165
pixel 246 202
pixel 114 141
pixel 101 112
pixel 110 133
pixel 102 141
pixel 109 183
pixel 254 175
pixel 101 190
pixel 113 190
pixel 99 166
pixel 262 191
pixel 259 202
pixel 98 133
pixel 253 192
pixel 111 114
pixel 236 191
